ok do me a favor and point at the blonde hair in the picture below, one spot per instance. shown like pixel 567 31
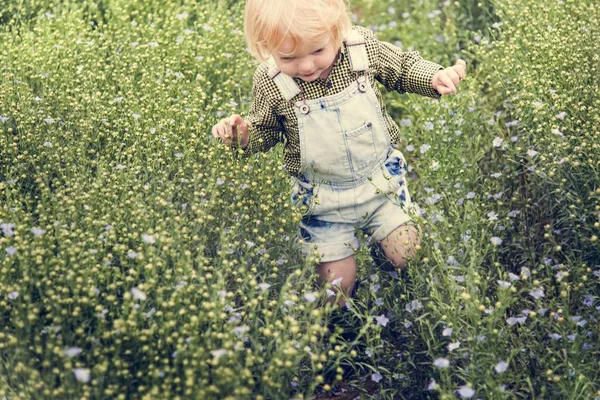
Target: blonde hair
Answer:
pixel 268 22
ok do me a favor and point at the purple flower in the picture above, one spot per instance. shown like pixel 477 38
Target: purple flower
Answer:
pixel 376 377
pixel 537 294
pixel 413 306
pixel 555 336
pixel 588 300
pixel 516 320
pixel 382 320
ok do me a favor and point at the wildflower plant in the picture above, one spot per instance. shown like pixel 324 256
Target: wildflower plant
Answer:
pixel 139 258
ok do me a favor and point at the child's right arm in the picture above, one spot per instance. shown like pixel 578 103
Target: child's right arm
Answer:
pixel 262 128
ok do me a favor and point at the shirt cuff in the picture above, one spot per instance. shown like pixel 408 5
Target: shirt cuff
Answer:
pixel 420 77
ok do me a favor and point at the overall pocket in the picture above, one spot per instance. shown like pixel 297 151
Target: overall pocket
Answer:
pixel 360 143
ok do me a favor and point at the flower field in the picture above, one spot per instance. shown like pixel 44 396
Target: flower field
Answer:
pixel 141 259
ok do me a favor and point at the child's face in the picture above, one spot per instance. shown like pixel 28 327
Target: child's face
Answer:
pixel 307 62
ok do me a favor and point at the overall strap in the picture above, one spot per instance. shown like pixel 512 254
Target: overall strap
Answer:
pixel 357 51
pixel 286 84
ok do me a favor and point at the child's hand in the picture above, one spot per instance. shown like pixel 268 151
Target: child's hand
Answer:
pixel 446 80
pixel 232 131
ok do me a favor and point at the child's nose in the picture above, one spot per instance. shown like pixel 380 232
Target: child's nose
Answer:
pixel 307 66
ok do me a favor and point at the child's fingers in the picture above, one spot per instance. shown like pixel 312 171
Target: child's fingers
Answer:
pixel 236 120
pixel 448 85
pixel 461 68
pixel 220 131
pixel 455 76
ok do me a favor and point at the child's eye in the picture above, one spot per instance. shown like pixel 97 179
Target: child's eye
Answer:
pixel 318 51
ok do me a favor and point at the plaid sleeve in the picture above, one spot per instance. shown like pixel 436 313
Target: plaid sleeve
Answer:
pixel 405 71
pixel 263 124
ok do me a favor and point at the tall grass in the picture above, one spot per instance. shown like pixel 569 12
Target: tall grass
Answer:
pixel 140 259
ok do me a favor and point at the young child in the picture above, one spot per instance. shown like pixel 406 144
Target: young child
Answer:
pixel 315 92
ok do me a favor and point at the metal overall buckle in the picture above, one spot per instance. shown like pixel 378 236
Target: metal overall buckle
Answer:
pixel 361 82
pixel 301 104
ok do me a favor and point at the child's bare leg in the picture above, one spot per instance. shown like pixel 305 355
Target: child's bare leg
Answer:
pixel 401 244
pixel 345 269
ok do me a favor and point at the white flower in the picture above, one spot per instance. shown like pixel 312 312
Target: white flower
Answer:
pixel 3 119
pixel 531 153
pixel 82 374
pixel 8 229
pixel 13 295
pixel 428 126
pixel 453 346
pixel 311 297
pixel 218 353
pixel 72 351
pixel 148 239
pixel 447 332
pixel 11 251
pixel 424 148
pixel 48 120
pixel 435 165
pixel 504 284
pixel 138 294
pixel 513 277
pixel 497 142
pixel 240 330
pixel 501 367
pixel 181 16
pixel 466 392
pixel 263 286
pixel 336 282
pixel 492 216
pixel 441 362
pixel 496 241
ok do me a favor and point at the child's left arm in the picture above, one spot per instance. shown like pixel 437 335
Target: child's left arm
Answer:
pixel 446 80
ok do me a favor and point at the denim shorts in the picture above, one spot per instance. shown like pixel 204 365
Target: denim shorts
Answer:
pixel 333 214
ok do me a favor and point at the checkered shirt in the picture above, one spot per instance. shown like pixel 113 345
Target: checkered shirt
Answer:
pixel 272 119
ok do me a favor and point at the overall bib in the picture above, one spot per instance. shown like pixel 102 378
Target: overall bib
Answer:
pixel 352 179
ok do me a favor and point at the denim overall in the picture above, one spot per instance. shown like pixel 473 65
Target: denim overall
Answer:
pixel 352 179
